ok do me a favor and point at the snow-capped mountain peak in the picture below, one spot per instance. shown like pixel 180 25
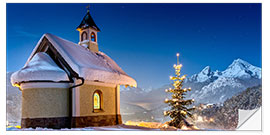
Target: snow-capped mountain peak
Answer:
pixel 217 73
pixel 205 75
pixel 221 85
pixel 240 63
pixel 242 69
pixel 206 71
pixel 238 69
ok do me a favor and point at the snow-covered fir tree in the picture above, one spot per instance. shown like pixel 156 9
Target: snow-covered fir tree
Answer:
pixel 179 106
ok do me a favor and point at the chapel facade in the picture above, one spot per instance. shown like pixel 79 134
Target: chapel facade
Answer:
pixel 69 85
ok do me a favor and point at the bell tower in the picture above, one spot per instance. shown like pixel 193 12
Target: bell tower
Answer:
pixel 88 33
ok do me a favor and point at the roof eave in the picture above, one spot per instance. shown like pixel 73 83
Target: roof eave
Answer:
pixel 80 28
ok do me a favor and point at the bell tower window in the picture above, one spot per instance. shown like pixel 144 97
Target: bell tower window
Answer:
pixel 93 37
pixel 84 36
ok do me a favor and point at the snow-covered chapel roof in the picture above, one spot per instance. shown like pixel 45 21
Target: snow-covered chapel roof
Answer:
pixel 97 67
pixel 41 67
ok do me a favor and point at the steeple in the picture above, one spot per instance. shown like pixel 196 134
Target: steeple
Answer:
pixel 88 32
pixel 88 22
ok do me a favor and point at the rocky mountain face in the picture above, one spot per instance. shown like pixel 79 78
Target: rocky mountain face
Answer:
pixel 217 86
pixel 238 69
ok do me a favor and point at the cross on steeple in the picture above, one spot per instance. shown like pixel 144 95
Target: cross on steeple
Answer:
pixel 88 7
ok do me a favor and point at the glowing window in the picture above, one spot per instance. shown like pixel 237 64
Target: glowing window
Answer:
pixel 93 37
pixel 96 101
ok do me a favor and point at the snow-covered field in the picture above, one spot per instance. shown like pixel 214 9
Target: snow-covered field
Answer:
pixel 121 127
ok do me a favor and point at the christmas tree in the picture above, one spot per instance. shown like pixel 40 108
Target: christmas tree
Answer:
pixel 179 107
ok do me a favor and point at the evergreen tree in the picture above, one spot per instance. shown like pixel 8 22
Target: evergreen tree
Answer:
pixel 179 107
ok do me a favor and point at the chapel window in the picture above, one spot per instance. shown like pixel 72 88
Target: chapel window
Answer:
pixel 97 100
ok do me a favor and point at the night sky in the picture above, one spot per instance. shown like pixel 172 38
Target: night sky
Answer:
pixel 144 38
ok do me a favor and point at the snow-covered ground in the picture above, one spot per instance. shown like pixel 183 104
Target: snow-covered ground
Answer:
pixel 121 127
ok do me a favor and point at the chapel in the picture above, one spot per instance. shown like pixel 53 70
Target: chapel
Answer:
pixel 69 85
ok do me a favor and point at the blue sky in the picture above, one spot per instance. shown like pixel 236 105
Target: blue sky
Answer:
pixel 144 38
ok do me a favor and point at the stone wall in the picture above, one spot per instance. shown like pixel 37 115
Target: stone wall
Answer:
pixel 57 122
pixel 95 121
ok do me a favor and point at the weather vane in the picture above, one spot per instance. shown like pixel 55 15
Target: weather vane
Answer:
pixel 88 7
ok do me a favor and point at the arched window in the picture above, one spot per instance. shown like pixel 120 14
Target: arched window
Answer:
pixel 93 37
pixel 97 100
pixel 84 36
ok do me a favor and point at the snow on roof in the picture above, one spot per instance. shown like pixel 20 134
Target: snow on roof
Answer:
pixel 40 67
pixel 89 65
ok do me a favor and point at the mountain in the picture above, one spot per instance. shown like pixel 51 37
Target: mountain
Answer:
pixel 220 85
pixel 243 70
pixel 218 90
pixel 238 69
pixel 13 102
pixel 207 86
pixel 206 75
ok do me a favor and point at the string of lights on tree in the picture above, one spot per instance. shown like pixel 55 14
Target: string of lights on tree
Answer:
pixel 179 106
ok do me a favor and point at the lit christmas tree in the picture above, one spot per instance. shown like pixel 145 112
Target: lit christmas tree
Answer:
pixel 179 110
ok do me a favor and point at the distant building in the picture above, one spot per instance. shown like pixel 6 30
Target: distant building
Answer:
pixel 65 84
pixel 209 105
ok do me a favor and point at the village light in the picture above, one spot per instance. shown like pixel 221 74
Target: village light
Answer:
pixel 184 128
pixel 200 119
pixel 211 120
pixel 166 126
pixel 165 113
